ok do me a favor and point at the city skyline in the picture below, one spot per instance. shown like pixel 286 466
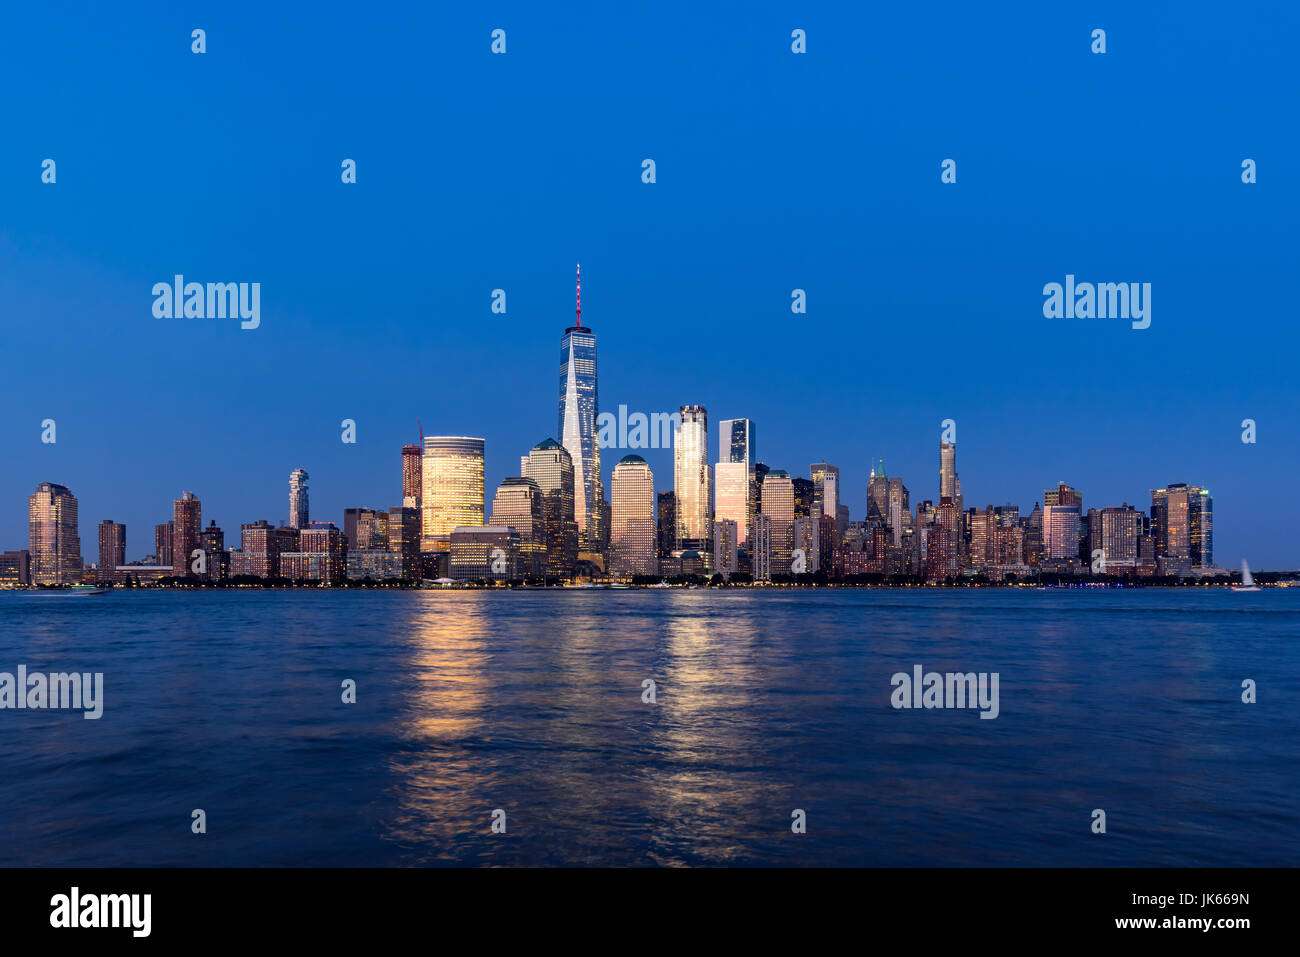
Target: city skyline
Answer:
pixel 924 299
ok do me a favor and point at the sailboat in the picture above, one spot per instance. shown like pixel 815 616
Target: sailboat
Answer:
pixel 1247 579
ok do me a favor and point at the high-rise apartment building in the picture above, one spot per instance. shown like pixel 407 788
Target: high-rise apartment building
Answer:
pixel 412 487
pixel 187 524
pixel 299 513
pixel 112 548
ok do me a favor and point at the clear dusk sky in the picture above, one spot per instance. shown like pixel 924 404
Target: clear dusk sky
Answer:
pixel 775 171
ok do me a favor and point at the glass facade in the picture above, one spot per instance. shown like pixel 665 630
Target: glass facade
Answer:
pixel 54 539
pixel 452 473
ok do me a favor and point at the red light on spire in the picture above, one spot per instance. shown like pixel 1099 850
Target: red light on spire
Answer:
pixel 579 309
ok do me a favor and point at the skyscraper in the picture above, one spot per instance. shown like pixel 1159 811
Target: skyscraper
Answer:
pixel 520 504
pixel 53 536
pixel 949 483
pixel 667 522
pixel 778 506
pixel 298 511
pixel 551 467
pixel 1182 526
pixel 731 499
pixel 187 525
pixel 692 479
pixel 736 441
pixel 452 496
pixel 579 407
pixel 632 539
pixel 112 548
pixel 826 488
pixel 162 543
pixel 411 467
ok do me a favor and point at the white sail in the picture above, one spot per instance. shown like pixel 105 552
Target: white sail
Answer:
pixel 1247 579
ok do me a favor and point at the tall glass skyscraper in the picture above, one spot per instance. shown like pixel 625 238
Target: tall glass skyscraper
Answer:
pixel 632 539
pixel 551 467
pixel 692 478
pixel 736 441
pixel 579 406
pixel 452 475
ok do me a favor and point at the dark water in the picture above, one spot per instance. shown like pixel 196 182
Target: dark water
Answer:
pixel 766 702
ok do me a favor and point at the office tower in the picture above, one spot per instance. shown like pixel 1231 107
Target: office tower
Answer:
pixel 320 555
pixel 187 523
pixel 632 539
pixel 667 521
pixel 983 538
pixel 452 497
pixel 112 548
pixel 520 504
pixel 826 485
pixel 1119 537
pixel 1061 524
pixel 778 506
pixel 579 409
pixel 732 499
pixel 404 540
pixel 807 536
pixel 1034 537
pixel 412 489
pixel 53 537
pixel 365 529
pixel 828 541
pixel 878 495
pixel 842 520
pixel 1063 494
pixel 725 549
pixel 484 553
pixel 162 544
pixel 551 467
pixel 761 547
pixel 298 510
pixel 948 481
pixel 736 442
pixel 15 568
pixel 804 497
pixel 756 476
pixel 1182 527
pixel 691 479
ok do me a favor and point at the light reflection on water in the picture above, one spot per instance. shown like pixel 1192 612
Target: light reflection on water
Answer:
pixel 766 702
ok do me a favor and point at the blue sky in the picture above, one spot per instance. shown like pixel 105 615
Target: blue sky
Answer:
pixel 775 171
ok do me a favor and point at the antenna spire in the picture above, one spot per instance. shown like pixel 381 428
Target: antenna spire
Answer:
pixel 579 309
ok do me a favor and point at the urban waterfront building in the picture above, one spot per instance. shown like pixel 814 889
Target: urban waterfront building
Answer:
pixel 760 551
pixel 299 513
pixel 453 497
pixel 187 525
pixel 412 487
pixel 778 506
pixel 520 504
pixel 484 553
pixel 15 568
pixel 1118 535
pixel 949 483
pixel 321 554
pixel 162 543
pixel 692 480
pixel 579 409
pixel 112 548
pixel 404 539
pixel 54 538
pixel 732 498
pixel 666 512
pixel 550 465
pixel 1182 528
pixel 632 536
pixel 725 551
